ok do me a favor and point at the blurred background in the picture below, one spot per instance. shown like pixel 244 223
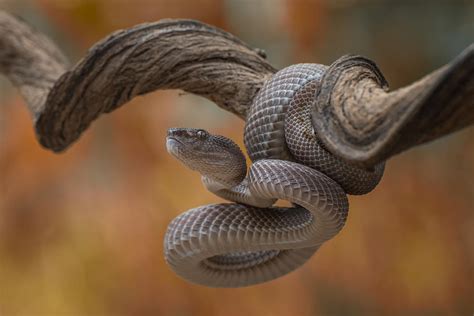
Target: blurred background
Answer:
pixel 81 233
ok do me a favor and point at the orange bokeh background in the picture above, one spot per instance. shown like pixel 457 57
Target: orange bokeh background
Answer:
pixel 81 232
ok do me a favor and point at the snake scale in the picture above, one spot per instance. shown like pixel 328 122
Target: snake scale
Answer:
pixel 250 242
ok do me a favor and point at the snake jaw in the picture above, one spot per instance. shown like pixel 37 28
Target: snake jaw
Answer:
pixel 172 145
pixel 174 148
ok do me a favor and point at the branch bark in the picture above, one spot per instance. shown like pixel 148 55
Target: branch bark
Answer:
pixel 169 54
pixel 359 120
pixel 30 60
pixel 353 113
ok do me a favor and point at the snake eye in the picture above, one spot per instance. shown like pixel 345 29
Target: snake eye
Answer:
pixel 202 134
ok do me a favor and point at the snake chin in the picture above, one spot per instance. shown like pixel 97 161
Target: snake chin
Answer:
pixel 172 146
pixel 177 150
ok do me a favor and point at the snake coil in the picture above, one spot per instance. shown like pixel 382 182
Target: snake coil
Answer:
pixel 232 245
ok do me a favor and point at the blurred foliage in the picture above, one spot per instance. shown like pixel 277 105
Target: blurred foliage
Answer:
pixel 81 233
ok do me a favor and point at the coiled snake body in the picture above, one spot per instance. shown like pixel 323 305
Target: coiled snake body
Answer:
pixel 232 245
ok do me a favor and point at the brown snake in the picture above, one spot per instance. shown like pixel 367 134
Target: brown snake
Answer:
pixel 232 245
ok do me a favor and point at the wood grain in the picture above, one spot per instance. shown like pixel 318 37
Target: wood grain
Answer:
pixel 354 114
pixel 359 120
pixel 169 54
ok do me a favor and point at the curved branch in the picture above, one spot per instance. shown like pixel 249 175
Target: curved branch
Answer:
pixel 358 120
pixel 353 114
pixel 30 60
pixel 169 54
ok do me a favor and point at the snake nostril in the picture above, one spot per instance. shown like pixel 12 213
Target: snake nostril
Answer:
pixel 174 131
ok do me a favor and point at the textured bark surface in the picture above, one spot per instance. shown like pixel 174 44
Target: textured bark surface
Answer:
pixel 170 54
pixel 353 114
pixel 358 120
pixel 30 60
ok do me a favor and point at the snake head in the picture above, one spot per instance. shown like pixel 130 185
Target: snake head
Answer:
pixel 213 156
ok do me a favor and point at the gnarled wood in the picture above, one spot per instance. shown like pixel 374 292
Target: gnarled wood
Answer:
pixel 170 54
pixel 358 120
pixel 30 60
pixel 353 114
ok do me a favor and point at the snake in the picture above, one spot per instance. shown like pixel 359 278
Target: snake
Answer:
pixel 251 241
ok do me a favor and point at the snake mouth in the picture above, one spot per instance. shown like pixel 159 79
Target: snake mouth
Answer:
pixel 172 145
pixel 172 138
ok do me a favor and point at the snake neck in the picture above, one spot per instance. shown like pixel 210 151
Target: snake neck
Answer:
pixel 239 193
pixel 215 183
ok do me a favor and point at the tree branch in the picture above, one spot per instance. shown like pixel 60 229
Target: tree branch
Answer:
pixel 170 54
pixel 358 120
pixel 353 114
pixel 30 60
